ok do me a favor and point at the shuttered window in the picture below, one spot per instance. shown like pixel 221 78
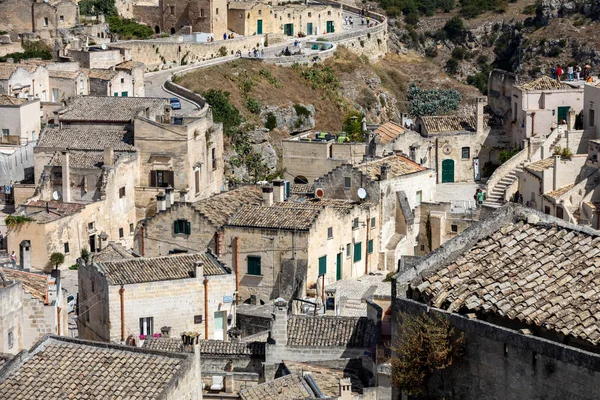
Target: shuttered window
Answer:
pixel 370 246
pixel 182 226
pixel 323 265
pixel 254 265
pixel 357 251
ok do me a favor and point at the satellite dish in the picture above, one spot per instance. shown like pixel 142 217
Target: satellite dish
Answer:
pixel 319 193
pixel 55 195
pixel 362 193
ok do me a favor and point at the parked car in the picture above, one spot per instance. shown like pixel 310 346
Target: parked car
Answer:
pixel 72 302
pixel 175 103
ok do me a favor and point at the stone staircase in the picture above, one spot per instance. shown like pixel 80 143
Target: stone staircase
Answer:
pixel 495 198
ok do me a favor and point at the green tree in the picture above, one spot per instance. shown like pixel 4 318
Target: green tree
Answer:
pixel 128 28
pixel 353 126
pixel 97 7
pixel 33 49
pixel 56 259
pixel 455 29
pixel 222 109
pixel 85 255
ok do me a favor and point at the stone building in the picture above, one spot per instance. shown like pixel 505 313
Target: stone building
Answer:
pixel 95 369
pixel 282 247
pixel 44 18
pixel 206 218
pixel 24 80
pixel 169 16
pixel 65 84
pixel 520 287
pixel 110 82
pixel 31 306
pixel 137 296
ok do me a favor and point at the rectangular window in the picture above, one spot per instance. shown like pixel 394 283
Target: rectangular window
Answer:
pixel 66 246
pixel 5 132
pixel 355 223
pixel 370 246
pixel 259 12
pixel 348 250
pixel 214 158
pixel 122 192
pixel 161 178
pixel 91 226
pixel 592 117
pixel 172 10
pixel 10 339
pixel 202 12
pixel 121 233
pixel 182 226
pixel 330 233
pixel 45 21
pixel 373 222
pixel 419 197
pixel 147 326
pixel 124 94
pixel 254 265
pixel 357 251
pixel 559 212
pixel 116 94
pixel 322 265
pixel 465 153
pixel 217 11
pixel 347 182
pixel 122 80
pixel 309 14
pixel 61 18
pixel 454 228
pixel 131 228
pixel 197 178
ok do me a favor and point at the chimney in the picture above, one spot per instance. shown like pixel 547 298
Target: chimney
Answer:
pixel 481 102
pixel 66 177
pixel 555 181
pixel 279 322
pixel 167 115
pixel 383 172
pixel 199 269
pixel 267 196
pixel 345 389
pixel 161 202
pixel 189 341
pixel 109 156
pixel 278 190
pixel 169 196
pixel 571 119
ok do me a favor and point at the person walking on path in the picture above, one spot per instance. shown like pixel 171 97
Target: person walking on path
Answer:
pixel 577 72
pixel 480 197
pixel 559 72
pixel 570 72
pixel 13 259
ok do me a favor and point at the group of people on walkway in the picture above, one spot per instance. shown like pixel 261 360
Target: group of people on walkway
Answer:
pixel 573 73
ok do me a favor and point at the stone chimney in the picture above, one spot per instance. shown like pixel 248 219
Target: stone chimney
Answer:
pixel 383 172
pixel 189 341
pixel 161 202
pixel 66 177
pixel 571 115
pixel 278 190
pixel 480 103
pixel 169 197
pixel 345 389
pixel 199 269
pixel 557 171
pixel 279 322
pixel 267 196
pixel 109 156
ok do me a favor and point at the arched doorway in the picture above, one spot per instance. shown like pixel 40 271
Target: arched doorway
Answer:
pixel 448 171
pixel 156 29
pixel 172 31
pixel 300 180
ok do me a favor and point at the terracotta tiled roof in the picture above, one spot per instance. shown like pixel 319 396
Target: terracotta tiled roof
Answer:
pixel 451 123
pixel 80 159
pixel 328 379
pixel 112 252
pixel 82 138
pixel 541 165
pixel 34 284
pixel 309 202
pixel 6 70
pixel 220 207
pixel 178 266
pixel 330 331
pixel 289 387
pixel 11 101
pixel 543 83
pixel 544 274
pixel 301 188
pixel 164 344
pixel 129 65
pixel 398 166
pixel 100 74
pixel 63 74
pixel 555 194
pixel 64 368
pixel 221 348
pixel 388 132
pixel 47 211
pixel 274 217
pixel 108 108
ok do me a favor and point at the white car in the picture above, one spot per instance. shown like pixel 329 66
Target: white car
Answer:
pixel 72 303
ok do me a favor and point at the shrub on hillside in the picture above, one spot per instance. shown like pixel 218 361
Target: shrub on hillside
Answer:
pixel 37 49
pixel 128 28
pixel 222 109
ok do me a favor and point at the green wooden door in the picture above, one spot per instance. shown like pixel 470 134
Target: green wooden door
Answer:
pixel 309 28
pixel 562 113
pixel 322 265
pixel 447 171
pixel 338 266
pixel 288 29
pixel 330 27
pixel 259 27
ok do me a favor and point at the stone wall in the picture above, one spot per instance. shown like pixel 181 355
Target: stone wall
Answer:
pixel 504 363
pixel 278 353
pixel 11 313
pixel 252 324
pixel 214 363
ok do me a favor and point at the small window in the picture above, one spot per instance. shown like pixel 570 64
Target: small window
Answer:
pixel 5 132
pixel 466 153
pixel 370 246
pixel 559 212
pixel 289 15
pixel 131 228
pixel 330 233
pixel 122 80
pixel 61 18
pixel 217 11
pixel 422 247
pixel 592 117
pixel 121 233
pixel 328 12
pixel 355 223
pixel 259 12
pixel 202 12
pixel 348 250
pixel 322 265
pixel 505 350
pixel 254 267
pixel 419 197
pixel 347 182
pixel 454 228
pixel 66 246
pixel 172 10
pixel 122 192
pixel 182 226
pixel 309 14
pixel 357 251
pixel 45 21
pixel 214 158
pixel 372 222
pixel 146 326
pixel 10 339
pixel 197 179
pixel 91 226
